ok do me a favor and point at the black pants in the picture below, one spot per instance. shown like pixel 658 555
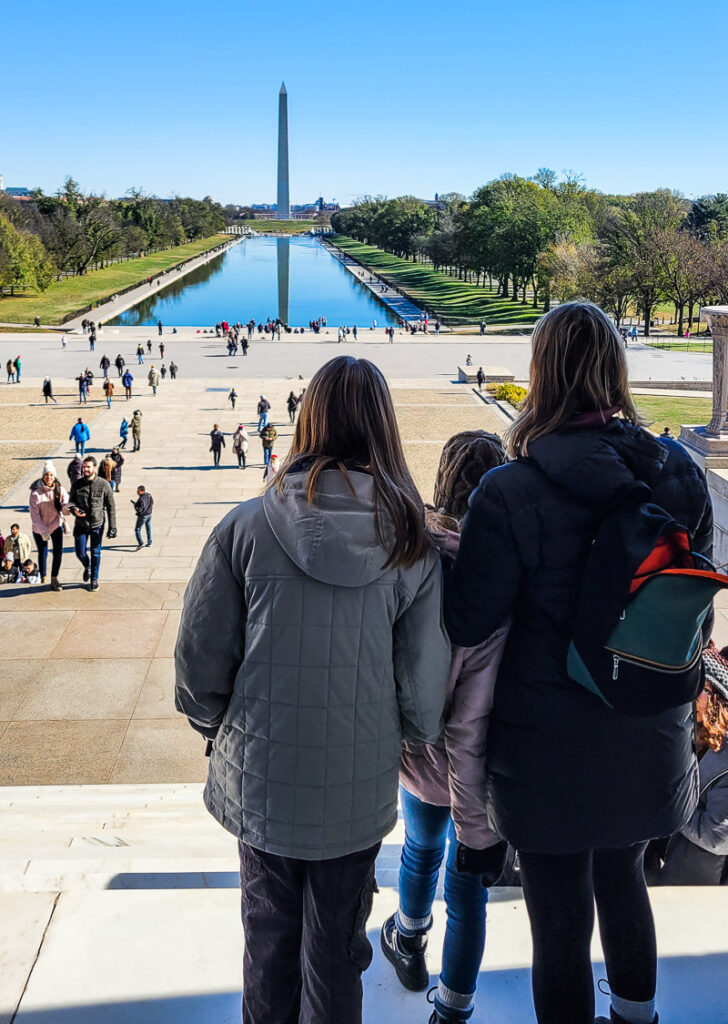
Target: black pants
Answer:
pixel 305 936
pixel 42 545
pixel 560 890
pixel 216 456
pixel 241 458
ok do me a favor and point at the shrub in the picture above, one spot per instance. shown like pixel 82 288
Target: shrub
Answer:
pixel 510 393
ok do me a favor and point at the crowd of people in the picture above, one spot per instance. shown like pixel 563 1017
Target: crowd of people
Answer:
pixel 85 509
pixel 267 433
pixel 314 656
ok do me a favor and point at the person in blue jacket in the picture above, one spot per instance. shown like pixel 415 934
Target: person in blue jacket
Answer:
pixel 80 434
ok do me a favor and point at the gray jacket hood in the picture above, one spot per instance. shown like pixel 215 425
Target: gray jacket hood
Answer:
pixel 334 540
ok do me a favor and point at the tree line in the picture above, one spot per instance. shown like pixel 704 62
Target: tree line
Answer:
pixel 69 232
pixel 541 238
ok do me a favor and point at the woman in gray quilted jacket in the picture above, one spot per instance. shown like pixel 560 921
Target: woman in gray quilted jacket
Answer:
pixel 311 644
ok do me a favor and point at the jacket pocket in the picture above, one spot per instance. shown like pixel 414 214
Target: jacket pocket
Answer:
pixel 360 948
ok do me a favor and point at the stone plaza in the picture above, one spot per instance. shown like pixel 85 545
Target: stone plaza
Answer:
pixel 119 896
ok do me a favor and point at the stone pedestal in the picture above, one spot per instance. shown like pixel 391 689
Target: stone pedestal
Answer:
pixel 709 445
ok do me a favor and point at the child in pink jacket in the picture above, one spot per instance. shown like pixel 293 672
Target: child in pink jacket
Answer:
pixel 442 787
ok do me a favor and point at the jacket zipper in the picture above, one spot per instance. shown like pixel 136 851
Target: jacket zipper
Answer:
pixel 651 666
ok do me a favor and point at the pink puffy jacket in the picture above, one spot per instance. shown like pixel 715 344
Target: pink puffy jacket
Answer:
pixel 452 771
pixel 44 517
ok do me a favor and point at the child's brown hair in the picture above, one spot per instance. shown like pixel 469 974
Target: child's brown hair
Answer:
pixel 464 460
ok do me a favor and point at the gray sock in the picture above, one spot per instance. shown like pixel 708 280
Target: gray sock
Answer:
pixel 632 1012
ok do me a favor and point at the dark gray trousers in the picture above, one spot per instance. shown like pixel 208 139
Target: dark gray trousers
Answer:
pixel 305 936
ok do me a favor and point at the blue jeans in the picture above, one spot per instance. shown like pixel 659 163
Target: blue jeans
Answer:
pixel 428 830
pixel 80 448
pixel 267 452
pixel 146 522
pixel 262 421
pixel 93 539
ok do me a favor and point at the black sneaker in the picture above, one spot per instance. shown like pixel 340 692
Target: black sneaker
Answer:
pixel 407 955
pixel 94 585
pixel 86 575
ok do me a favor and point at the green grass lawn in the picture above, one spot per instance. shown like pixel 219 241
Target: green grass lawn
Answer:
pixel 661 412
pixel 681 345
pixel 64 298
pixel 453 301
pixel 281 227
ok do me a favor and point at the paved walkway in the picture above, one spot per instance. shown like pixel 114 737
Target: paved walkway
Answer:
pixel 404 308
pixel 87 695
pixel 203 355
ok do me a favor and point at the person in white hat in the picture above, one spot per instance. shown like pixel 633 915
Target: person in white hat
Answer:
pixel 48 499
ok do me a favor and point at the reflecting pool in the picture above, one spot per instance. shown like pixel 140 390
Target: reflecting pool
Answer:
pixel 295 279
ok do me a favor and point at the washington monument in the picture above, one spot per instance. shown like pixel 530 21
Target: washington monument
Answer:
pixel 283 208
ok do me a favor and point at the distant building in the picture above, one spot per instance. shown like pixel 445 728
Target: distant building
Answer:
pixel 15 193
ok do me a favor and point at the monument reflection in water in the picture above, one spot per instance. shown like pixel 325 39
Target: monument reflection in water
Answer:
pixel 294 278
pixel 283 253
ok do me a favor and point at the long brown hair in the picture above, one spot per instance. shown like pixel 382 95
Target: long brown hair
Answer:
pixel 578 365
pixel 347 419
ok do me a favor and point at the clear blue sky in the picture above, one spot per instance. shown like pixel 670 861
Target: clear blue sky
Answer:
pixel 386 98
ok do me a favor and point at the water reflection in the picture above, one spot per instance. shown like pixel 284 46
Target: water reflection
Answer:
pixel 294 278
pixel 283 258
pixel 145 311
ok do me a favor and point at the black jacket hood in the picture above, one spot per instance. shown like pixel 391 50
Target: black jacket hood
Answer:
pixel 596 463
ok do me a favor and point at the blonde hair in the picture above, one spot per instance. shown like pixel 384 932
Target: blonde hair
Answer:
pixel 578 365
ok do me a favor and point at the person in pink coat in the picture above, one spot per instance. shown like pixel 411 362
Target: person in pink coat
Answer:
pixel 442 786
pixel 48 499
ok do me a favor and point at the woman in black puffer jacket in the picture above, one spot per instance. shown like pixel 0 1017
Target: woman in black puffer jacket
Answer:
pixel 578 788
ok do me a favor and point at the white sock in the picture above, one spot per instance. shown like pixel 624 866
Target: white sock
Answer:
pixel 632 1012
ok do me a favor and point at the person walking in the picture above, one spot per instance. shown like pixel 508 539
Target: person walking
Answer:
pixel 143 507
pixel 123 432
pixel 80 434
pixel 232 397
pixel 149 346
pixel 10 370
pixel 217 443
pixel 83 386
pixel 263 410
pixel 104 364
pixel 241 441
pixel 48 390
pixel 108 387
pixel 153 379
pixel 557 753
pixel 161 350
pixel 480 377
pixel 18 366
pixel 74 470
pixel 310 811
pixel 441 791
pixel 92 503
pixel 292 405
pixel 136 430
pixel 118 459
pixel 140 353
pixel 173 368
pixel 48 500
pixel 160 328
pixel 268 437
pixel 127 380
pixel 119 363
